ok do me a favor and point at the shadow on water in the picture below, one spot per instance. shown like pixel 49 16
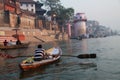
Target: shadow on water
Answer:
pixel 31 73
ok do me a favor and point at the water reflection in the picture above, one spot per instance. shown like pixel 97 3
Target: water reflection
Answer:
pixel 2 63
pixel 84 46
pixel 73 46
pixel 67 65
pixel 31 73
pixel 20 52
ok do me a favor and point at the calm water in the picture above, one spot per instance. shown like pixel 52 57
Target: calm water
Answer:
pixel 105 67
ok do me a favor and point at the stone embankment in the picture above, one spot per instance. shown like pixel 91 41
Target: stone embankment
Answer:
pixel 31 35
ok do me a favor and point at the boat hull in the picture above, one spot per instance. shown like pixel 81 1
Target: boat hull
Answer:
pixel 29 63
pixel 24 45
pixel 37 64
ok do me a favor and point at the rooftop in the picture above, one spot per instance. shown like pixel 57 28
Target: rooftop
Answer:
pixel 26 1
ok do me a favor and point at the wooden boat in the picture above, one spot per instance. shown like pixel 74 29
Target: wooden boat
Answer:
pixel 23 45
pixel 35 64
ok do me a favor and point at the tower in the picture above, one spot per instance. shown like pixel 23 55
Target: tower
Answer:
pixel 80 25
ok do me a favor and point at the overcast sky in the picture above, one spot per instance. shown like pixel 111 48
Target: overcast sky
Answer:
pixel 106 12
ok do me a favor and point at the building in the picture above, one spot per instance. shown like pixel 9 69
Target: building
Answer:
pixel 9 13
pixel 34 7
pixel 39 10
pixel 79 25
pixel 27 20
pixel 1 13
pixel 94 29
pixel 40 19
pixel 10 5
pixel 28 5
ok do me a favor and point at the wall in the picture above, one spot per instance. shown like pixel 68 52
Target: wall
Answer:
pixel 27 22
pixel 29 7
pixel 80 28
pixel 13 20
pixel 39 24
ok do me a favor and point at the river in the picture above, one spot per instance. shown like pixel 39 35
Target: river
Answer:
pixel 105 67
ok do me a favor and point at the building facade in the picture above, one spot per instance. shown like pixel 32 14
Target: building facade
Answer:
pixel 28 5
pixel 27 20
pixel 80 24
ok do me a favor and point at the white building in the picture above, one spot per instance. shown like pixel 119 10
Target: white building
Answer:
pixel 28 5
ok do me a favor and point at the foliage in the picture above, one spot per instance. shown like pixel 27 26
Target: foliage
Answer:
pixel 65 14
pixel 51 4
pixel 62 14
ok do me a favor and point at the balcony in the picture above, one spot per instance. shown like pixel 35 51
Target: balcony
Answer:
pixel 10 3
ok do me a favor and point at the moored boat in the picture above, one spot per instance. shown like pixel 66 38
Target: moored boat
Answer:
pixel 31 64
pixel 23 45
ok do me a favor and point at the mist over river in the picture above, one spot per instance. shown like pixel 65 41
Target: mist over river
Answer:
pixel 105 67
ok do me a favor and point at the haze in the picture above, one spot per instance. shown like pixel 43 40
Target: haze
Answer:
pixel 106 12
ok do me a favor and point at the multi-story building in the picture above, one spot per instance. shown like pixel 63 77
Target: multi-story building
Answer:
pixel 8 10
pixel 28 5
pixel 10 5
pixel 34 7
pixel 94 29
pixel 80 25
pixel 21 13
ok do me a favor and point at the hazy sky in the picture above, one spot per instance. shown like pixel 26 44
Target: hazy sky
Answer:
pixel 106 12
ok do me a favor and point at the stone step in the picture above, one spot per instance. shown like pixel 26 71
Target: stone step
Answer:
pixel 8 38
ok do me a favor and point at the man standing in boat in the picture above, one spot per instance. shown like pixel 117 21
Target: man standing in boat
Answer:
pixel 39 53
pixel 18 42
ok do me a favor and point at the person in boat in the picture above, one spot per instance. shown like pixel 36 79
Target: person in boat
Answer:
pixel 18 42
pixel 11 43
pixel 5 43
pixel 39 53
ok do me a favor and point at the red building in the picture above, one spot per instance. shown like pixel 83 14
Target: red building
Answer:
pixel 10 5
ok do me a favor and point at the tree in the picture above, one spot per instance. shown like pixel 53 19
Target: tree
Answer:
pixel 62 14
pixel 55 7
pixel 51 4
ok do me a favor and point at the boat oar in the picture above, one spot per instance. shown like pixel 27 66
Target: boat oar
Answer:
pixel 83 56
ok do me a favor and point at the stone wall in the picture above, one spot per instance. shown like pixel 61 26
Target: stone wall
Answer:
pixel 33 35
pixel 1 13
pixel 27 22
pixel 13 20
pixel 1 5
pixel 39 24
pixel 1 16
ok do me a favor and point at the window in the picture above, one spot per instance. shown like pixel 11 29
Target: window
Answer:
pixel 32 10
pixel 26 5
pixel 31 5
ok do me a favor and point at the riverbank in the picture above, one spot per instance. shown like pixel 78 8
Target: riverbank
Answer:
pixel 31 35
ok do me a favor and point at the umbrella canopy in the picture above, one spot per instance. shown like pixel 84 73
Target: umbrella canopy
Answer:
pixel 16 29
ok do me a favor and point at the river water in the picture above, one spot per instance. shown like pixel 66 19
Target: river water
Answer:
pixel 105 67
